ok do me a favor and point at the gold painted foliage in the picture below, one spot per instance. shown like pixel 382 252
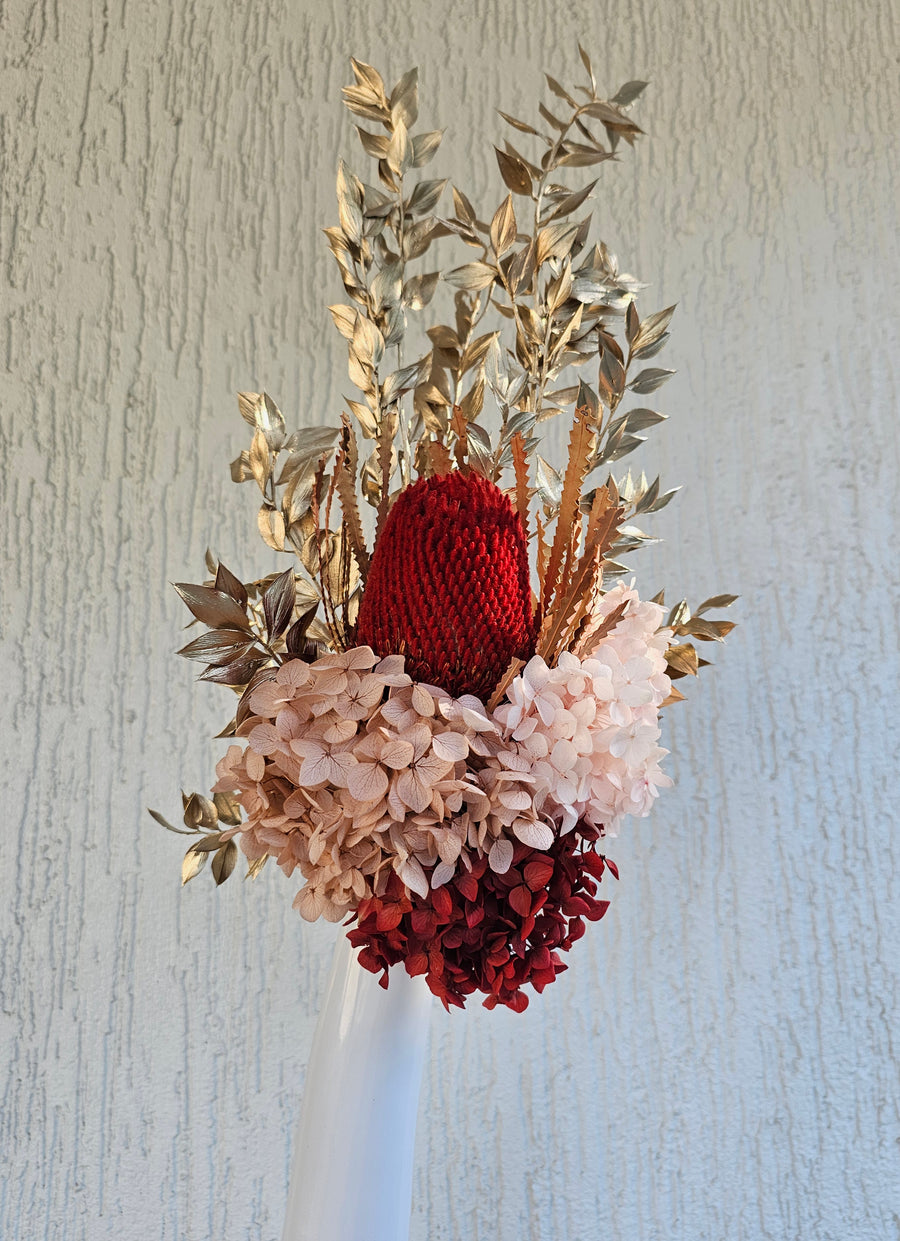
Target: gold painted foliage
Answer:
pixel 536 302
pixel 210 820
pixel 538 320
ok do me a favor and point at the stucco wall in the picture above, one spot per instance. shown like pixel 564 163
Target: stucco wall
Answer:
pixel 718 1061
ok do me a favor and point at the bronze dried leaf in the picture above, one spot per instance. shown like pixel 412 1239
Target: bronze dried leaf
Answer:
pixel 709 631
pixel 549 483
pixel 641 419
pixel 463 208
pixel 179 831
pixel 363 102
pixel 231 585
pixel 295 638
pixel 476 351
pixel 652 328
pixel 522 126
pixel 365 417
pixel 570 203
pixel 586 61
pixel 400 154
pixel 368 77
pixel 278 604
pixel 344 319
pixel 555 241
pixel 219 646
pixel 312 443
pixel 238 673
pixel 426 196
pixel 375 145
pixel 214 607
pixel 679 615
pixel 200 812
pixel 681 660
pixel 404 100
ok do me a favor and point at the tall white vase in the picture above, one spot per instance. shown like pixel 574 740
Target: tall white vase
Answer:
pixel 351 1173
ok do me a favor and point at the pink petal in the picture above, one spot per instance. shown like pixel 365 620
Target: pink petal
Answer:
pixel 367 782
pixel 501 855
pixel 532 833
pixel 450 746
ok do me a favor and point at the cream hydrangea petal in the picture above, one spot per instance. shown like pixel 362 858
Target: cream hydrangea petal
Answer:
pixel 451 747
pixel 413 876
pixel 500 857
pixel 442 874
pixel 533 833
pixel 310 902
pixel 412 790
pixel 396 754
pixel 367 781
pixel 294 673
pixel 264 739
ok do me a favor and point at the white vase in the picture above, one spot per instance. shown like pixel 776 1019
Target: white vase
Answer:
pixel 351 1173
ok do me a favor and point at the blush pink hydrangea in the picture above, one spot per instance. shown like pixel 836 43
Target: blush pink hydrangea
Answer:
pixel 352 771
pixel 588 728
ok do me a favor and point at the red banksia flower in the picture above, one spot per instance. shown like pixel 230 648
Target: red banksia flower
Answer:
pixel 488 932
pixel 448 586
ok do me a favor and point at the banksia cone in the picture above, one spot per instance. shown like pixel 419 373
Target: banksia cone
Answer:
pixel 448 585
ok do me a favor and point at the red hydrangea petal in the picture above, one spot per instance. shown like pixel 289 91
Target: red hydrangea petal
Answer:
pixel 482 933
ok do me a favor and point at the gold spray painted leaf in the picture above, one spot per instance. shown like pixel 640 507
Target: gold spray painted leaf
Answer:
pixel 424 147
pixel 192 865
pixel 503 227
pixel 271 527
pixel 716 601
pixel 223 862
pixel 514 172
pixel 471 276
pixel 256 866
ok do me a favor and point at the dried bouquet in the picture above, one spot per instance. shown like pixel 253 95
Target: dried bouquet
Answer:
pixel 450 698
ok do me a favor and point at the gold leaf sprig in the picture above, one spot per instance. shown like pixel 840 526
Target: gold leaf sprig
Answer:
pixel 283 467
pixel 380 232
pixel 682 658
pixel 204 818
pixel 528 270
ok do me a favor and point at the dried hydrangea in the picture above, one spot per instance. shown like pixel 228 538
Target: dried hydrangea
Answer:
pixel 488 932
pixel 588 728
pixel 351 771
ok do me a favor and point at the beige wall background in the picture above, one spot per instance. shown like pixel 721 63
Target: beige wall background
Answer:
pixel 719 1061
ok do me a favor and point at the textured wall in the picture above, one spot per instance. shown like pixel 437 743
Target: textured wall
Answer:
pixel 719 1060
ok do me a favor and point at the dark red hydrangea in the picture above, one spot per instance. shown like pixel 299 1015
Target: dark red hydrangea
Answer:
pixel 448 586
pixel 487 932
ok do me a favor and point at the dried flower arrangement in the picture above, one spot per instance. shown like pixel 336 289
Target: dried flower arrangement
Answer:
pixel 438 748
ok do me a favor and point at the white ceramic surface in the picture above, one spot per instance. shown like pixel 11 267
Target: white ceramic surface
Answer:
pixel 351 1173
